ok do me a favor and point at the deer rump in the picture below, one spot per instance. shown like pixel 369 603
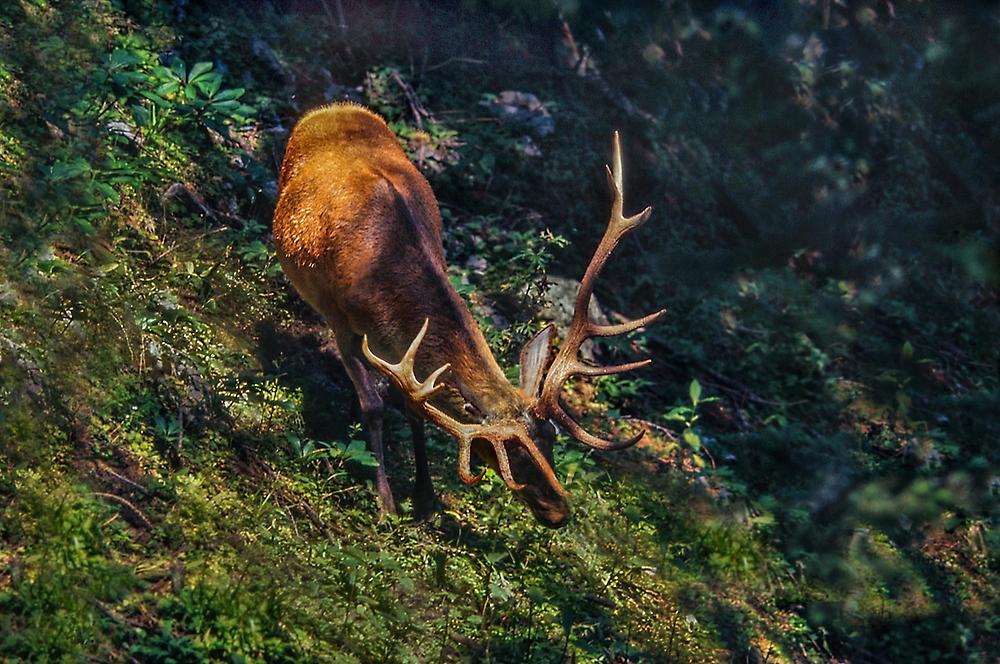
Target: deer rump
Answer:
pixel 358 232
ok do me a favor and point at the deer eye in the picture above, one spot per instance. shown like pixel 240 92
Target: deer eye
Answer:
pixel 542 427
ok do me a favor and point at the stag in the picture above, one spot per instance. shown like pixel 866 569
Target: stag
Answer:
pixel 358 232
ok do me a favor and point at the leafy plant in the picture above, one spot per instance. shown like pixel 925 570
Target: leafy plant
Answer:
pixel 687 416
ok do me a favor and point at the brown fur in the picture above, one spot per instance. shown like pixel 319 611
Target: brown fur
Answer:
pixel 358 232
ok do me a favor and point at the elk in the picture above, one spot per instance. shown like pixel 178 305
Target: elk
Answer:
pixel 358 233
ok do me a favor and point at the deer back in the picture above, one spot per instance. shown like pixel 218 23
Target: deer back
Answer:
pixel 358 232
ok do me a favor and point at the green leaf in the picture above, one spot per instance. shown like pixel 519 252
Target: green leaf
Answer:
pixel 496 556
pixel 197 70
pixel 764 519
pixel 109 193
pixel 692 439
pixel 229 93
pixel 499 593
pixel 128 78
pixel 141 115
pixel 165 74
pixel 225 106
pixel 67 170
pixel 678 414
pixel 179 70
pixel 695 391
pixel 209 84
pixel 85 226
pixel 167 89
pixel 122 58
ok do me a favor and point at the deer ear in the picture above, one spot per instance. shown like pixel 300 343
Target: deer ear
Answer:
pixel 534 360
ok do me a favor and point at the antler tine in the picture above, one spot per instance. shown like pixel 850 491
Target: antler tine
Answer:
pixel 465 463
pixel 595 370
pixel 622 328
pixel 504 463
pixel 587 438
pixel 500 433
pixel 402 373
pixel 546 469
pixel 418 392
pixel 566 363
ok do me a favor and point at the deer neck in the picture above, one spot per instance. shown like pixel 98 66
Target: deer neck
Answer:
pixel 481 382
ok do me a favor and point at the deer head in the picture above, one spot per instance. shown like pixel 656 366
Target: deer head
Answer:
pixel 518 443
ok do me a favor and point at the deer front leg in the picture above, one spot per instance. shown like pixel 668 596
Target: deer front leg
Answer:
pixel 424 500
pixel 372 410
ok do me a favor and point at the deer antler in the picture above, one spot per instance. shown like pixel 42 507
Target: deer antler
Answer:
pixel 401 373
pixel 567 363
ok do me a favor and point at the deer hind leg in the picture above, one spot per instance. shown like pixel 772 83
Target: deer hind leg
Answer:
pixel 424 500
pixel 372 410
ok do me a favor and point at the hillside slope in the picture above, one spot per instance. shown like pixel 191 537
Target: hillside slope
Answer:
pixel 181 472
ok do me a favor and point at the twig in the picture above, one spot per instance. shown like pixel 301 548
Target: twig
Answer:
pixel 744 392
pixel 652 425
pixel 468 61
pixel 601 601
pixel 179 191
pixel 169 250
pixel 418 110
pixel 340 15
pixel 121 478
pixel 180 432
pixel 340 22
pixel 131 510
pixel 673 631
pixel 316 520
pixel 109 612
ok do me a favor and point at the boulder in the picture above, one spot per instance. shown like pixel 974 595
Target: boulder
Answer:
pixel 560 298
pixel 521 109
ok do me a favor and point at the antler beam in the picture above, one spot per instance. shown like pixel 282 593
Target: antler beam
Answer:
pixel 567 363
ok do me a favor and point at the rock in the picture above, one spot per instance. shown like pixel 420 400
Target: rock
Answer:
pixel 477 264
pixel 262 50
pixel 528 147
pixel 8 296
pixel 124 129
pixel 522 109
pixel 333 91
pixel 559 302
pixel 54 130
pixel 270 190
pixel 653 53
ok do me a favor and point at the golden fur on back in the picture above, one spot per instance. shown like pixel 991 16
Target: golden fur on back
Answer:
pixel 328 171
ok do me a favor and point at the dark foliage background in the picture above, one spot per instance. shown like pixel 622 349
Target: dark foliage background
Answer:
pixel 181 472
